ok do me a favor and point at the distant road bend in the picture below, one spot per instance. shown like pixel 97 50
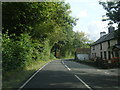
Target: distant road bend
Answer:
pixel 69 74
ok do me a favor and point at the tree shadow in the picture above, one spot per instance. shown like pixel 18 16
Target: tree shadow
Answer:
pixel 100 81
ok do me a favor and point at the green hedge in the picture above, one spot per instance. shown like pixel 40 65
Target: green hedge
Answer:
pixel 21 51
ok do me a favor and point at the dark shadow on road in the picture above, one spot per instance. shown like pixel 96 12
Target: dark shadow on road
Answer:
pixel 60 79
pixel 100 81
pixel 64 79
pixel 88 64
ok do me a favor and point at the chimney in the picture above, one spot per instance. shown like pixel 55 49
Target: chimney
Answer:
pixel 102 34
pixel 111 29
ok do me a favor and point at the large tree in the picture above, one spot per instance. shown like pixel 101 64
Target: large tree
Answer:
pixel 113 14
pixel 43 21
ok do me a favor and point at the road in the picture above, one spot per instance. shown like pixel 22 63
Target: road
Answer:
pixel 69 74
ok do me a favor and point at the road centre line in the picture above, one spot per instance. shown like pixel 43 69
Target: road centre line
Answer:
pixel 62 62
pixel 83 82
pixel 67 67
pixel 33 76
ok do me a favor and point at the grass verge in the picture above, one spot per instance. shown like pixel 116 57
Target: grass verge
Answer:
pixel 15 79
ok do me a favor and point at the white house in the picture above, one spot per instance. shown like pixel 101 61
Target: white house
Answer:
pixel 82 53
pixel 107 47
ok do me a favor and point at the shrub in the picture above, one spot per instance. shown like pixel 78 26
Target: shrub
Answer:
pixel 21 51
pixel 16 53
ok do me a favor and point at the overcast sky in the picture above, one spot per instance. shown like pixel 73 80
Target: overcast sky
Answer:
pixel 90 14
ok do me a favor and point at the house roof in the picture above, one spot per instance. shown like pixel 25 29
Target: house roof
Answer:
pixel 83 50
pixel 104 38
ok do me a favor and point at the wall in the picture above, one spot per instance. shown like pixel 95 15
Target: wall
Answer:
pixel 83 56
pixel 96 52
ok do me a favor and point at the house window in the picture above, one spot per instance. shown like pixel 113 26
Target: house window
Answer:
pixel 112 54
pixel 108 44
pixel 101 55
pixel 104 54
pixel 100 46
pixel 118 41
pixel 92 55
pixel 93 47
pixel 116 54
pixel 95 54
pixel 109 55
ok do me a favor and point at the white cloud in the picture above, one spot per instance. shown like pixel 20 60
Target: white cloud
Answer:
pixel 95 27
pixel 82 13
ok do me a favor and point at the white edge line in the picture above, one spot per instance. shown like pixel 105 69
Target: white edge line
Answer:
pixel 67 67
pixel 83 83
pixel 33 76
pixel 106 73
pixel 98 70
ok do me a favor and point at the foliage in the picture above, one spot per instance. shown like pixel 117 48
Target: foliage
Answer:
pixel 113 14
pixel 36 31
pixel 15 53
pixel 73 40
pixel 22 52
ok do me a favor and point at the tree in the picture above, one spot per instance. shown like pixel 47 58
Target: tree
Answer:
pixel 44 21
pixel 113 14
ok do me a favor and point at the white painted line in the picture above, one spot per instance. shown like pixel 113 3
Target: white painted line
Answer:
pixel 98 70
pixel 106 73
pixel 83 83
pixel 33 76
pixel 67 67
pixel 62 62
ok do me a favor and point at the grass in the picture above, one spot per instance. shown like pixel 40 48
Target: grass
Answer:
pixel 15 79
pixel 68 57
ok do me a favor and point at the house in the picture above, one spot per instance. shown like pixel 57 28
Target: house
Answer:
pixel 107 47
pixel 82 53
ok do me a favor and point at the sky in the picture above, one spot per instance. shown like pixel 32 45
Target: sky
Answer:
pixel 90 14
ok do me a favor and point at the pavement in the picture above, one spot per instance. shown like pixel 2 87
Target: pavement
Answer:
pixel 69 74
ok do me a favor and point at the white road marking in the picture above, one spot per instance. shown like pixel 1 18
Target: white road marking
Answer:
pixel 62 62
pixel 83 82
pixel 98 70
pixel 33 76
pixel 67 67
pixel 106 73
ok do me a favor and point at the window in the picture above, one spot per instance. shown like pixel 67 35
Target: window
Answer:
pixel 92 55
pixel 95 54
pixel 100 46
pixel 109 55
pixel 93 47
pixel 118 41
pixel 108 44
pixel 112 54
pixel 104 54
pixel 116 54
pixel 101 55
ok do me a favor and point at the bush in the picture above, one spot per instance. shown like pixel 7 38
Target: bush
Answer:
pixel 16 53
pixel 20 52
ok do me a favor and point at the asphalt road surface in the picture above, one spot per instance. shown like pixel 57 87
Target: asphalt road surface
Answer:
pixel 70 74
